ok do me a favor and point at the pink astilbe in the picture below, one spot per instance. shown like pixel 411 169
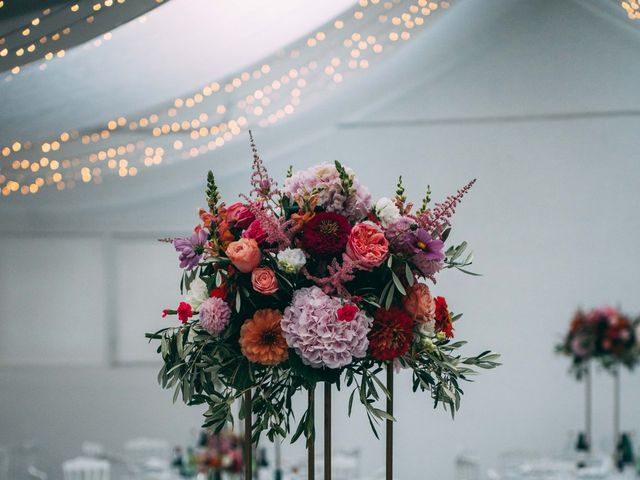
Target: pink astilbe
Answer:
pixel 436 219
pixel 339 274
pixel 264 187
pixel 278 232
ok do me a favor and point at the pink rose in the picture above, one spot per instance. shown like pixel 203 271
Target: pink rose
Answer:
pixel 264 281
pixel 244 254
pixel 420 304
pixel 238 215
pixel 367 246
pixel 255 231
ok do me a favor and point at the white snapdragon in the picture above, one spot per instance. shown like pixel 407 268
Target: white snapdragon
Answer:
pixel 387 211
pixel 197 293
pixel 291 260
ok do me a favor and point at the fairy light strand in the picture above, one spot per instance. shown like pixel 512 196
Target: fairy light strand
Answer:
pixel 217 112
pixel 33 38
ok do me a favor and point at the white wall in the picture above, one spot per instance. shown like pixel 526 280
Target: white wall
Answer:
pixel 553 221
pixel 553 224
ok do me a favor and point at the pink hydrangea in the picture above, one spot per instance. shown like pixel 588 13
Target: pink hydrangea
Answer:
pixel 311 327
pixel 214 315
pixel 324 181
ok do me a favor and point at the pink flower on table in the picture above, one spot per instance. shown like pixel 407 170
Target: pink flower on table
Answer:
pixel 264 281
pixel 244 254
pixel 367 246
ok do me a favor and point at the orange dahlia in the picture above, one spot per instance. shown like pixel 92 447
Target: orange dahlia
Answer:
pixel 261 339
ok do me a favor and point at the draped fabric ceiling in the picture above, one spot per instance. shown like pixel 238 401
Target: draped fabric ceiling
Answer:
pixel 32 30
pixel 184 80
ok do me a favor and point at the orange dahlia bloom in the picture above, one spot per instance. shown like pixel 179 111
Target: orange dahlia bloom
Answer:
pixel 261 339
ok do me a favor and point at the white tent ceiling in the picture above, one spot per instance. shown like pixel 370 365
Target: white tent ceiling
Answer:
pixel 509 61
pixel 168 52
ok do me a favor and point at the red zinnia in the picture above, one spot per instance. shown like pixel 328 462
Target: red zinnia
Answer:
pixel 443 317
pixel 391 334
pixel 184 312
pixel 347 312
pixel 326 233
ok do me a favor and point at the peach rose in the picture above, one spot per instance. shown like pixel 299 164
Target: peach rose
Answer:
pixel 244 254
pixel 367 245
pixel 264 281
pixel 420 304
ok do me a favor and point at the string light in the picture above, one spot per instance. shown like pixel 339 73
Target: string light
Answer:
pixel 632 8
pixel 36 40
pixel 213 115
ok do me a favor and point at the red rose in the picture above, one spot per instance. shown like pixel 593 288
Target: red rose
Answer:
pixel 239 216
pixel 255 231
pixel 326 233
pixel 184 312
pixel 347 312
pixel 443 317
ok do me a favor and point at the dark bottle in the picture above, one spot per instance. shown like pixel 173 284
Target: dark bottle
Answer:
pixel 624 452
pixel 177 462
pixel 582 443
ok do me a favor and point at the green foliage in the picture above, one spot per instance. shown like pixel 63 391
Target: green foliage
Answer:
pixel 400 196
pixel 213 196
pixel 453 256
pixel 425 201
pixel 346 180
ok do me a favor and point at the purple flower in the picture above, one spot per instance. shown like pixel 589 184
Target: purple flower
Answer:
pixel 428 255
pixel 401 235
pixel 427 247
pixel 425 252
pixel 191 249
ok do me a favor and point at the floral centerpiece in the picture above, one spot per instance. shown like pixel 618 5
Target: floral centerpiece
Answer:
pixel 603 334
pixel 217 453
pixel 312 282
pixel 612 339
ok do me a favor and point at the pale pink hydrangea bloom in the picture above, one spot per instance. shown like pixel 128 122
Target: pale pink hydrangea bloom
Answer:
pixel 324 178
pixel 214 315
pixel 311 327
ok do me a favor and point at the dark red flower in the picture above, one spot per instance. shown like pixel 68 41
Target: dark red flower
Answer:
pixel 219 292
pixel 326 233
pixel 391 334
pixel 167 311
pixel 184 312
pixel 347 312
pixel 443 317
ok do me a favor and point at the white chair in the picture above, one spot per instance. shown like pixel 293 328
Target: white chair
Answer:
pixel 467 467
pixel 85 468
pixel 148 455
pixel 346 464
